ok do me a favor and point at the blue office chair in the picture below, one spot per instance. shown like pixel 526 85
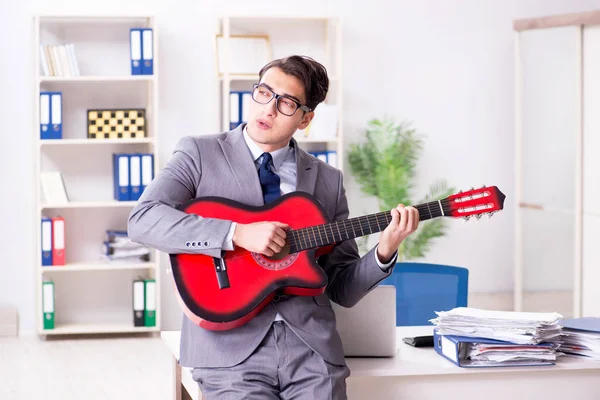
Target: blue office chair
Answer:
pixel 422 289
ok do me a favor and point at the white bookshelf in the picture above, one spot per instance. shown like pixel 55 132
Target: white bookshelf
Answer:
pixel 316 37
pixel 92 296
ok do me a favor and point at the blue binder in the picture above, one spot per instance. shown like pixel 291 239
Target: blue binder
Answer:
pixel 121 180
pixel 238 107
pixel 147 51
pixel 46 227
pixel 450 346
pixel 321 155
pixel 50 115
pixel 135 176
pixel 147 170
pixel 586 324
pixel 135 50
pixel 111 234
pixel 332 158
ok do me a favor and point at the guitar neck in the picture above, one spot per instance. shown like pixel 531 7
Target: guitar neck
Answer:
pixel 335 232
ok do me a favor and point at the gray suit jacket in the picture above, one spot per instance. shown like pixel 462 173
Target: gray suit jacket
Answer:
pixel 222 165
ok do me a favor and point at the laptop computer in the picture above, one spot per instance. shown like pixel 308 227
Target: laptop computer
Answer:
pixel 369 328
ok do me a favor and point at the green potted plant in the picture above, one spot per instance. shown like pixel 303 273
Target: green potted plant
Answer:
pixel 384 165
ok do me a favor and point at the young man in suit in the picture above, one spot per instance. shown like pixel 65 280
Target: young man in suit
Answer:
pixel 291 349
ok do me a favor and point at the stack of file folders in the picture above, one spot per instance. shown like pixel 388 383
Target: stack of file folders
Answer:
pixel 472 337
pixel 118 247
pixel 581 337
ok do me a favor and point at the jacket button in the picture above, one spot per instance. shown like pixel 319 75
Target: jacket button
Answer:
pixel 193 244
pixel 188 244
pixel 206 244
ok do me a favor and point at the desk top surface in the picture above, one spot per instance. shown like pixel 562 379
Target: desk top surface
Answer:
pixel 411 361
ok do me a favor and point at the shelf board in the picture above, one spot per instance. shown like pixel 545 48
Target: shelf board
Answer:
pixel 240 77
pixel 97 78
pixel 95 142
pixel 97 266
pixel 286 17
pixel 91 328
pixel 90 204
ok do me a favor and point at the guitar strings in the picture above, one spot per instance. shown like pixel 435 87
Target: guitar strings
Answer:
pixel 304 238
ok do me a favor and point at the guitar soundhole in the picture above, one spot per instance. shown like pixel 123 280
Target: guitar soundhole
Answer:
pixel 278 261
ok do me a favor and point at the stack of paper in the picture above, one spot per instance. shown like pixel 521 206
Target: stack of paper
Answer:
pixel 509 326
pixel 581 336
pixel 471 337
pixel 486 353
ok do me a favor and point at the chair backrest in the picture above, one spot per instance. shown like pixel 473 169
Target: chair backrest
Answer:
pixel 422 289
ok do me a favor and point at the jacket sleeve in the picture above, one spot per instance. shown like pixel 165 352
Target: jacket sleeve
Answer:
pixel 156 222
pixel 350 276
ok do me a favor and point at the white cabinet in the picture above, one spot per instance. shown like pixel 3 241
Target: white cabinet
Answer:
pixel 557 75
pixel 91 294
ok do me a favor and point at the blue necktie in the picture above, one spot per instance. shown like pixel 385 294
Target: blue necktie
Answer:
pixel 269 181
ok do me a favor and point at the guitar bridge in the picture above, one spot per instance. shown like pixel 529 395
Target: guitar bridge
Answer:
pixel 221 271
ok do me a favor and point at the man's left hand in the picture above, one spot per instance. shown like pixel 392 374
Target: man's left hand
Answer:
pixel 405 220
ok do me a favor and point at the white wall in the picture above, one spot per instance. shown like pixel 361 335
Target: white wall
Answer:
pixel 446 66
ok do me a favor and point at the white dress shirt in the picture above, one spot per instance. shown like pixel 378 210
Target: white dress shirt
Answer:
pixel 284 165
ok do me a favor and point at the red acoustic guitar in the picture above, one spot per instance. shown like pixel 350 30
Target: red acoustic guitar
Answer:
pixel 225 293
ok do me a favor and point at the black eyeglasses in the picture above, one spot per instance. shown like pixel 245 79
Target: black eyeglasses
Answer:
pixel 286 105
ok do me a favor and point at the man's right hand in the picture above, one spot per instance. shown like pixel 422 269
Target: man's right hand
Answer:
pixel 260 237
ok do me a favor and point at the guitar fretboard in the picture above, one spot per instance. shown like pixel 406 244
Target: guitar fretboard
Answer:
pixel 335 232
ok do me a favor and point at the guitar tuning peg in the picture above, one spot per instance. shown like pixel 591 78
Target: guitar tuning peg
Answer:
pixel 466 217
pixel 478 216
pixel 472 188
pixel 483 187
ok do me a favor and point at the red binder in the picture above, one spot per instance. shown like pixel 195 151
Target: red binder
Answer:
pixel 58 241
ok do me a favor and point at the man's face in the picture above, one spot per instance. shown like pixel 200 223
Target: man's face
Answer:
pixel 268 126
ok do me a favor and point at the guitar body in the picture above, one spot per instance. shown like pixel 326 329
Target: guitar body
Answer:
pixel 225 293
pixel 249 280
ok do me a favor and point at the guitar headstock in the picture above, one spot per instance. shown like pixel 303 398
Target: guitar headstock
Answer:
pixel 475 202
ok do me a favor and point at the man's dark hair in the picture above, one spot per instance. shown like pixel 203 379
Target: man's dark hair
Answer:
pixel 312 74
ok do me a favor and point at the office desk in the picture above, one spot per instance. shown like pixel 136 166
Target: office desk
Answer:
pixel 420 373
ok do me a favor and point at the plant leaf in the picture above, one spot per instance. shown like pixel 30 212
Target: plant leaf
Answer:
pixel 420 241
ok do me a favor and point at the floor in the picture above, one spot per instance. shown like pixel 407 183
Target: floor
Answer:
pixel 99 368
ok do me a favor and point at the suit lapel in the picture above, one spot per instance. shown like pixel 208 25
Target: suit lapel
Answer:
pixel 242 165
pixel 306 171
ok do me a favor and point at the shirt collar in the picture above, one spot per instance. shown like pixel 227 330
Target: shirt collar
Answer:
pixel 278 155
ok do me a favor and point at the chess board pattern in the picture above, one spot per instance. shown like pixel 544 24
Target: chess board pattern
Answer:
pixel 116 123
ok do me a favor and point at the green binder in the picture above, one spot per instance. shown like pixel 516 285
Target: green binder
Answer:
pixel 48 304
pixel 150 302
